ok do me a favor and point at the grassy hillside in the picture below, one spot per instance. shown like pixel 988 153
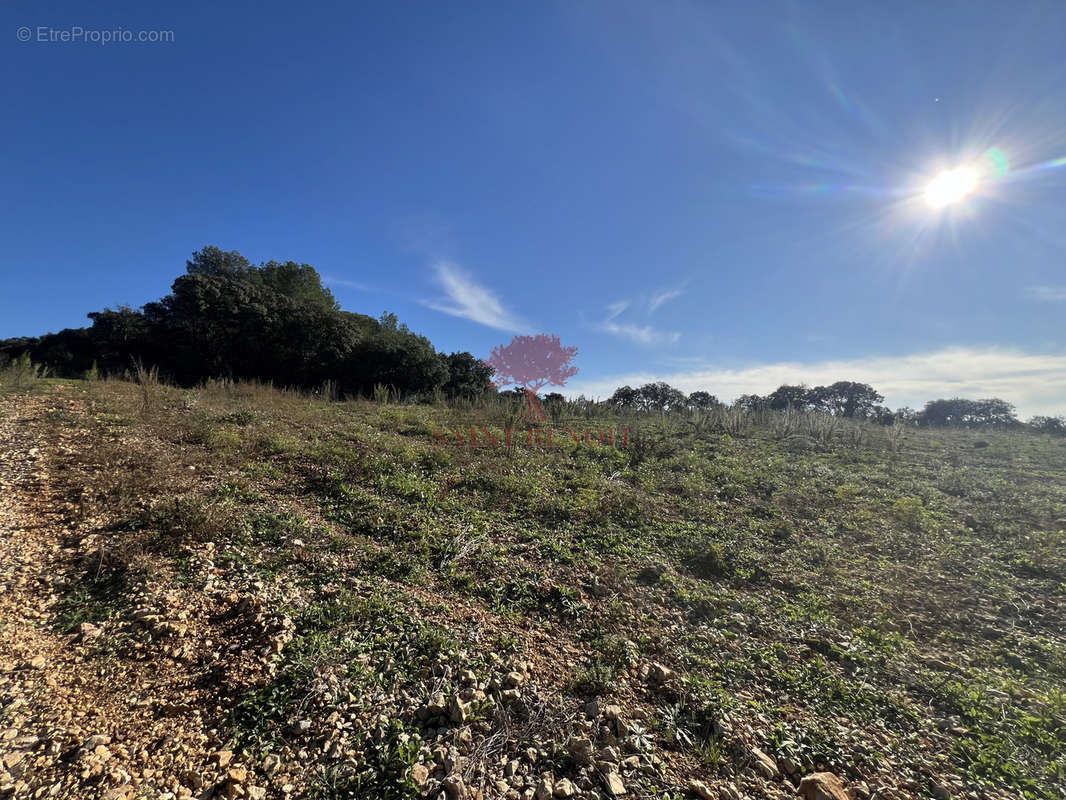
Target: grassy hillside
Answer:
pixel 263 594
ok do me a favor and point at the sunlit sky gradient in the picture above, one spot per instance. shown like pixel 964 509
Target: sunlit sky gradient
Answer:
pixel 725 195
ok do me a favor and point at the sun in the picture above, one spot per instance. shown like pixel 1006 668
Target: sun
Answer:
pixel 951 186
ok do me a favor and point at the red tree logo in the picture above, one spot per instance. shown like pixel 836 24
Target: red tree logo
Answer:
pixel 533 362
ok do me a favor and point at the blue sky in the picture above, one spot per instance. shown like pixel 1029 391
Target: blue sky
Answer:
pixel 723 195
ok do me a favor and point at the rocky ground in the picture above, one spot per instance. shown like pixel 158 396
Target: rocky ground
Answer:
pixel 178 619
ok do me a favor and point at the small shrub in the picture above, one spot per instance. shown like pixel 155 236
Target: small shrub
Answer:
pixel 171 524
pixel 21 372
pixel 594 678
pixel 224 440
pixel 384 771
pixel 687 724
pixel 848 491
pixel 910 511
pixel 150 387
pixel 708 562
pixel 782 530
pixel 651 574
pixel 238 418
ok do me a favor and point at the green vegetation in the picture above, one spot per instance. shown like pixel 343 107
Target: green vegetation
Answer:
pixel 886 608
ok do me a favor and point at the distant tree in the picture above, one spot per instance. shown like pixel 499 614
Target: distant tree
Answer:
pixel 960 412
pixel 67 353
pixel 554 404
pixel 944 413
pixel 533 362
pixel 845 399
pixel 995 413
pixel 119 336
pixel 1056 426
pixel 394 356
pixel 702 400
pixel 275 322
pixel 786 396
pixel 882 415
pixel 468 377
pixel 217 263
pixel 751 402
pixel 225 317
pixel 301 283
pixel 13 348
pixel 233 324
pixel 660 396
pixel 625 397
pixel 906 416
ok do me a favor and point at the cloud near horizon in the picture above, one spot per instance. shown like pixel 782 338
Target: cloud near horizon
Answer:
pixel 1034 382
pixel 468 299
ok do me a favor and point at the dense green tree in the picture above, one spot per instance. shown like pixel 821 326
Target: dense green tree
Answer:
pixel 942 413
pixel 468 377
pixel 845 399
pixel 960 412
pixel 660 396
pixel 119 337
pixel 395 357
pixel 1056 426
pixel 906 415
pixel 625 397
pixel 217 263
pixel 702 400
pixel 227 318
pixel 785 396
pixel 751 402
pixel 996 413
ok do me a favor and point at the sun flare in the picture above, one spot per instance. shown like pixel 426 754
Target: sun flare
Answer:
pixel 951 186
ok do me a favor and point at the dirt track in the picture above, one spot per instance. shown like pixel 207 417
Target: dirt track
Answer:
pixel 73 725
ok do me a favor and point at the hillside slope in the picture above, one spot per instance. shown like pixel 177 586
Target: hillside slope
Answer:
pixel 241 592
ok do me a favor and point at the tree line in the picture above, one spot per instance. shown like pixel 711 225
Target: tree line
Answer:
pixel 849 399
pixel 274 322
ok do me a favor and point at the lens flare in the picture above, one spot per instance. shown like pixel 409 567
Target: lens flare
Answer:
pixel 998 161
pixel 951 186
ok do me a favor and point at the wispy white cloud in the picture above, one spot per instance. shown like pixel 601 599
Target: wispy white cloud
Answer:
pixel 1034 382
pixel 1047 294
pixel 470 300
pixel 330 280
pixel 641 334
pixel 664 296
